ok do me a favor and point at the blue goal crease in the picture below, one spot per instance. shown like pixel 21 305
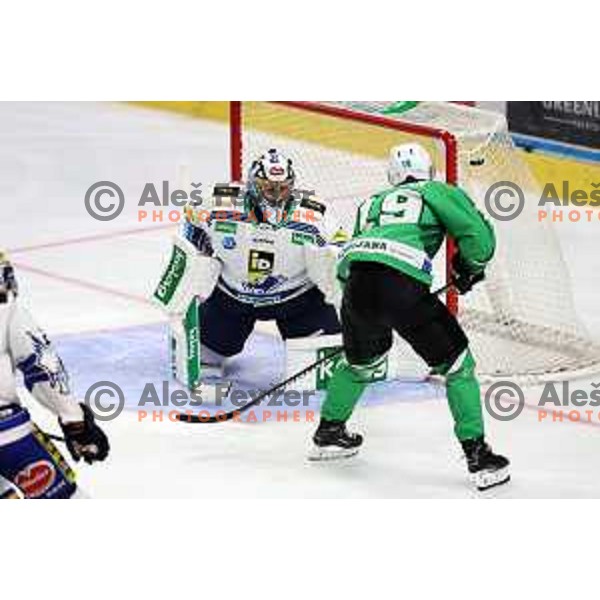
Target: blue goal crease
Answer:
pixel 135 356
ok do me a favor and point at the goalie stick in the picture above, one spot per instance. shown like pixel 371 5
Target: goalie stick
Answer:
pixel 226 416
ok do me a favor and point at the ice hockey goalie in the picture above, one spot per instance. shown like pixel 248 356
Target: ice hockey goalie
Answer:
pixel 255 252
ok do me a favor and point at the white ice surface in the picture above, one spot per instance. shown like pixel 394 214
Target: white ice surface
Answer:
pixel 81 275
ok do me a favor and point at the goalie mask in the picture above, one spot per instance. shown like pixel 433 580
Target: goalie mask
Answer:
pixel 271 180
pixel 409 162
pixel 8 283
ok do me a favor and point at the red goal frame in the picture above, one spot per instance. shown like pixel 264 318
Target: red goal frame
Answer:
pixel 444 137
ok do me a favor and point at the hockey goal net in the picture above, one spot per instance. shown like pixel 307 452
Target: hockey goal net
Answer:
pixel 521 321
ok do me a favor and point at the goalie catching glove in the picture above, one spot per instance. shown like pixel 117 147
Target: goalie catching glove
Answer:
pixel 85 439
pixel 463 276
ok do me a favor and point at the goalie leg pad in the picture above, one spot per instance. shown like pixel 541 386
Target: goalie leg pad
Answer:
pixel 30 461
pixel 208 334
pixel 184 346
pixel 191 361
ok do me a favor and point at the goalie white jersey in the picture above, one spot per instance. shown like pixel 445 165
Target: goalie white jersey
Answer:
pixel 265 263
pixel 244 265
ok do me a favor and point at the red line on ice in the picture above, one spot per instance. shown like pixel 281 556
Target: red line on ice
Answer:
pixel 84 284
pixel 90 238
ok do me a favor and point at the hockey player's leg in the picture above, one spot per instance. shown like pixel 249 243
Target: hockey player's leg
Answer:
pixel 464 397
pixel 30 461
pixel 307 315
pixel 346 386
pixel 207 336
pixel 440 340
pixel 191 361
pixel 486 469
pixel 226 325
pixel 366 344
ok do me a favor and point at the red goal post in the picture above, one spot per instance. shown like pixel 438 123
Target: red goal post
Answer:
pixel 443 137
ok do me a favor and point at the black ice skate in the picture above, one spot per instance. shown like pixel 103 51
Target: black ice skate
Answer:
pixel 332 441
pixel 486 469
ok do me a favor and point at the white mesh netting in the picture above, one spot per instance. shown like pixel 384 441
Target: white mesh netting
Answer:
pixel 521 321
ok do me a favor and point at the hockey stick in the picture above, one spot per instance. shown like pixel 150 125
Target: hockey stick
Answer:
pixel 220 417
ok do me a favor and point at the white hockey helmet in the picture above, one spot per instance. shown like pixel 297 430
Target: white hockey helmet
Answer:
pixel 409 162
pixel 8 283
pixel 271 179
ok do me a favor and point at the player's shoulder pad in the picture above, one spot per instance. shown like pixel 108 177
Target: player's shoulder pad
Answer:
pixel 226 190
pixel 227 199
pixel 311 203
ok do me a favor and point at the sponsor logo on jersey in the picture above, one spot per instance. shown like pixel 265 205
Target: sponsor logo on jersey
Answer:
pixel 226 227
pixel 380 245
pixel 264 286
pixel 229 242
pixel 260 265
pixel 36 479
pixel 260 300
pixel 263 240
pixel 302 238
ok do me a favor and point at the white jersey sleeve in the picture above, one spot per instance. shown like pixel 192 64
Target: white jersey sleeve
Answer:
pixel 321 259
pixel 26 347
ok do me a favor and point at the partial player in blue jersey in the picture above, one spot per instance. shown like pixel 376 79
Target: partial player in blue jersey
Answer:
pixel 30 465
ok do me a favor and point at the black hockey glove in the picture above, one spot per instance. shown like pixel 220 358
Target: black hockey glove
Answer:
pixel 463 277
pixel 85 439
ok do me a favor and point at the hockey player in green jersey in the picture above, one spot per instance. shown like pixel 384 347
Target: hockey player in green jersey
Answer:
pixel 386 272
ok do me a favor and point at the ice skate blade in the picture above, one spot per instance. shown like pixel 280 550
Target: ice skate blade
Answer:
pixel 485 480
pixel 317 453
